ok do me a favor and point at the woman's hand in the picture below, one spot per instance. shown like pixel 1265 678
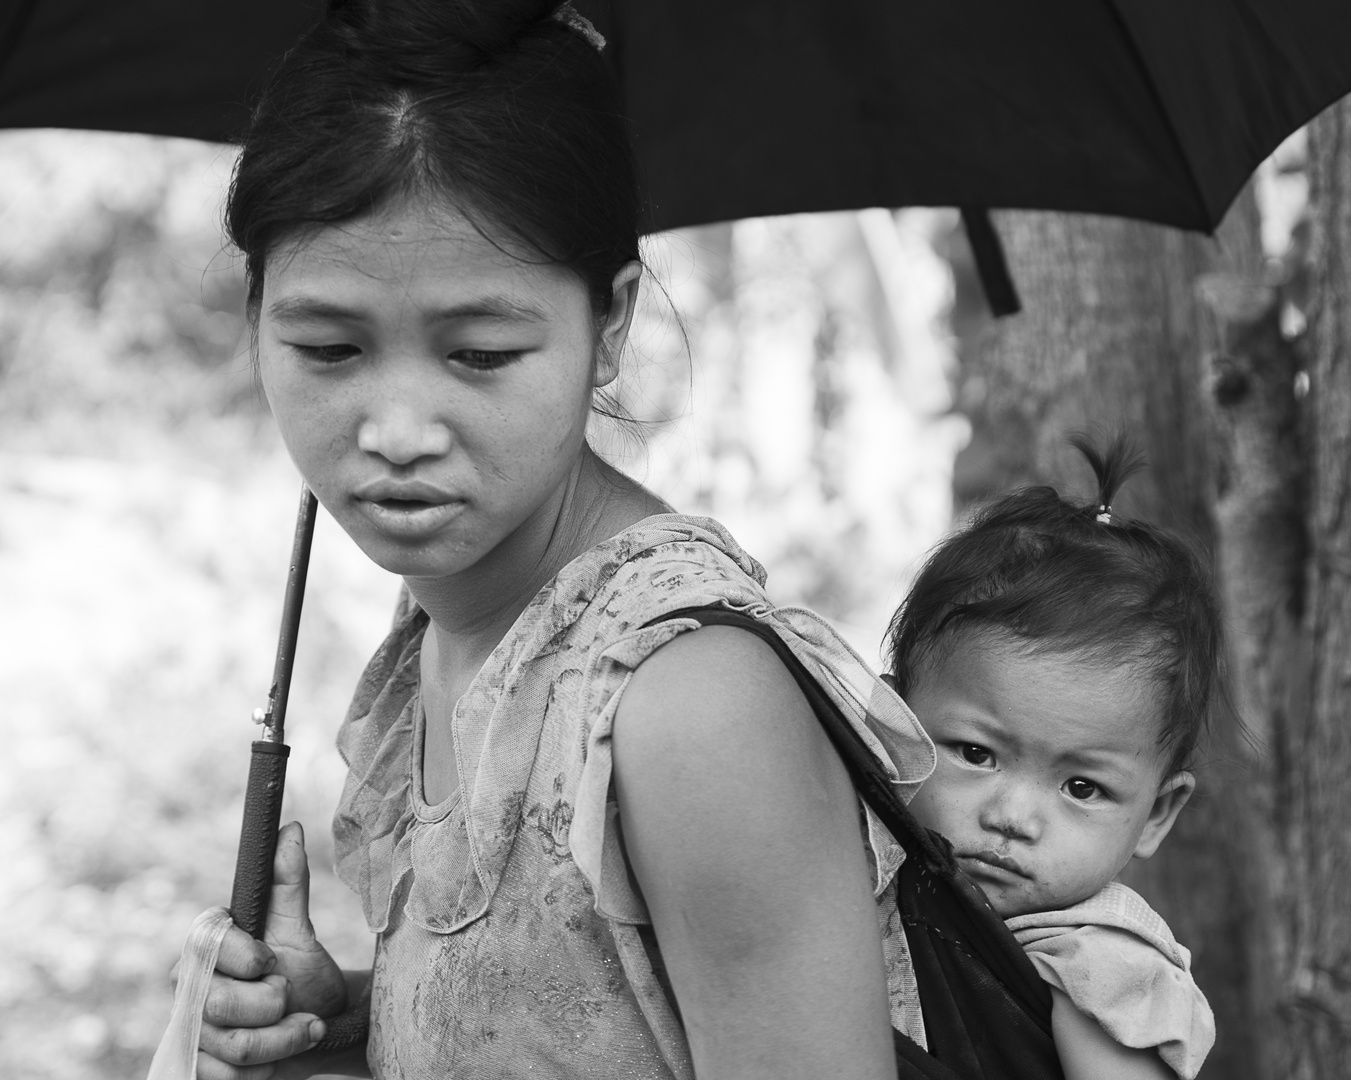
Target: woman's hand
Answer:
pixel 268 998
pixel 743 830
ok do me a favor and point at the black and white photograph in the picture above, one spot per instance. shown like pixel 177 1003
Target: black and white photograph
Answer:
pixel 635 540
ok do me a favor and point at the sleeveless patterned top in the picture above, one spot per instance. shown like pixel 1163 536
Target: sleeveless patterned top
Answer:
pixel 512 939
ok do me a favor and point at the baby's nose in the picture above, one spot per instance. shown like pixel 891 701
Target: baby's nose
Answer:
pixel 1012 812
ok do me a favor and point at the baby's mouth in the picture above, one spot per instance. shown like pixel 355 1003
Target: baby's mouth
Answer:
pixel 995 860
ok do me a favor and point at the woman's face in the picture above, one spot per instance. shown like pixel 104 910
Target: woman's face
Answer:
pixel 433 390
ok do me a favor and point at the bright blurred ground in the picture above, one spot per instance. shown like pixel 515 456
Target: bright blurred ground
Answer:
pixel 145 520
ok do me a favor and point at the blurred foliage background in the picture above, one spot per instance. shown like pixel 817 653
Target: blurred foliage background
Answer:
pixel 788 376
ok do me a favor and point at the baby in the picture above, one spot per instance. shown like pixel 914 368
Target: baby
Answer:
pixel 1063 661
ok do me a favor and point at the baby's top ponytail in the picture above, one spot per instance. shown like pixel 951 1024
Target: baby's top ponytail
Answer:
pixel 1077 578
pixel 1111 469
pixel 506 109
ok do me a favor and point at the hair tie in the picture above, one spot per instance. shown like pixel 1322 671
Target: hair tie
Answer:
pixel 1104 514
pixel 570 17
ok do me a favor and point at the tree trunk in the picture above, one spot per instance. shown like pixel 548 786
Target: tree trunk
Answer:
pixel 1110 337
pixel 1260 495
pixel 1319 1012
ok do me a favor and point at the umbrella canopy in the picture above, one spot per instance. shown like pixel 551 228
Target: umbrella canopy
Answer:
pixel 1151 109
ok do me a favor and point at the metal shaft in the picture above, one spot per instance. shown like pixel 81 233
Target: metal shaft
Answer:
pixel 267 768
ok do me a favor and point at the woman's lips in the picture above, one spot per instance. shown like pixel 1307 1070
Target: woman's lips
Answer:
pixel 408 519
pixel 388 489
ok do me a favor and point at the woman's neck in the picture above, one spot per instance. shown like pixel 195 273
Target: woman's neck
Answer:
pixel 473 610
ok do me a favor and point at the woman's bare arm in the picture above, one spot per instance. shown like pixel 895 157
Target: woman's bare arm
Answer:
pixel 742 827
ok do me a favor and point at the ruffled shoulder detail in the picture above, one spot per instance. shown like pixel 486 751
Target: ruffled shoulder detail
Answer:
pixel 371 824
pixel 1116 959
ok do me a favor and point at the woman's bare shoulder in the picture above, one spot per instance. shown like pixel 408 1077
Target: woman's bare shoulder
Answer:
pixel 715 684
pixel 742 830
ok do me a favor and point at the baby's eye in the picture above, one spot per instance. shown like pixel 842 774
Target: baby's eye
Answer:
pixel 328 354
pixel 1080 789
pixel 974 754
pixel 485 359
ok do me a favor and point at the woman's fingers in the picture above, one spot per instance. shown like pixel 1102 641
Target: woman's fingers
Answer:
pixel 241 1046
pixel 288 913
pixel 236 1003
pixel 243 957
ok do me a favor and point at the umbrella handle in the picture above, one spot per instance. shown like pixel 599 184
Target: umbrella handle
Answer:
pixel 258 836
pixel 267 766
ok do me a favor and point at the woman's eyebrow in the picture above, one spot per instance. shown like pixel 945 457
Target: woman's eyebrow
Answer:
pixel 505 308
pixel 490 307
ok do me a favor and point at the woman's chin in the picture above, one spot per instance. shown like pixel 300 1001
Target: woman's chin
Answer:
pixel 409 560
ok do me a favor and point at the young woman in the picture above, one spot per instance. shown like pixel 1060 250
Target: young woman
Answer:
pixel 594 840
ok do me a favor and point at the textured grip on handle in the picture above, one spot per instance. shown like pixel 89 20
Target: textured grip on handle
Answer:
pixel 351 1028
pixel 258 836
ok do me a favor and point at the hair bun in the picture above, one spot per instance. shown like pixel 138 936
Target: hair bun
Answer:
pixel 416 34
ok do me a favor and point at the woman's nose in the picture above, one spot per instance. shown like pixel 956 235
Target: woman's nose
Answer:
pixel 1011 811
pixel 402 436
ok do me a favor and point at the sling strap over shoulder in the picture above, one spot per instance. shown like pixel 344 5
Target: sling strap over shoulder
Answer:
pixel 987 1013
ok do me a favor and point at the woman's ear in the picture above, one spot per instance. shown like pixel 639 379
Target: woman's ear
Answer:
pixel 623 302
pixel 1172 797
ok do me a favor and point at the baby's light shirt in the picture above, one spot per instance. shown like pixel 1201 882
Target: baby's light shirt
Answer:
pixel 1116 959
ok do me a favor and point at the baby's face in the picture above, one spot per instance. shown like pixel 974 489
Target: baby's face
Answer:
pixel 1049 776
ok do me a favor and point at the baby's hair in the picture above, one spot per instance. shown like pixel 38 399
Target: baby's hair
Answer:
pixel 1057 576
pixel 497 106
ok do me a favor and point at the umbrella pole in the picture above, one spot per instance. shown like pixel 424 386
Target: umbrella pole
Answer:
pixel 267 765
pixel 267 779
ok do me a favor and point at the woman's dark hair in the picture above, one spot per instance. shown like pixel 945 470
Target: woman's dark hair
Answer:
pixel 1079 579
pixel 499 106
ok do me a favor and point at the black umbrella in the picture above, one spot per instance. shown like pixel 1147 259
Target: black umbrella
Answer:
pixel 1150 109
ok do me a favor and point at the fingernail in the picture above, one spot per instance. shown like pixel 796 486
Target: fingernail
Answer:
pixel 316 1030
pixel 271 963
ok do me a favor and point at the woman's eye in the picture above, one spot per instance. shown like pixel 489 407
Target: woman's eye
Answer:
pixel 328 354
pixel 485 359
pixel 973 754
pixel 1080 789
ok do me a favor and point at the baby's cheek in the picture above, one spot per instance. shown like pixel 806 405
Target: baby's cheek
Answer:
pixel 935 807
